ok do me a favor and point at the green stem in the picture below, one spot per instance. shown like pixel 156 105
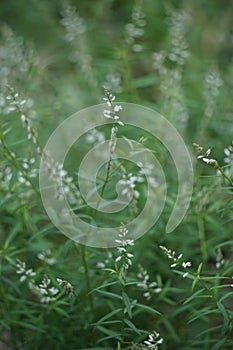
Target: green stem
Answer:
pixel 202 238
pixel 223 174
pixel 87 276
pixel 122 314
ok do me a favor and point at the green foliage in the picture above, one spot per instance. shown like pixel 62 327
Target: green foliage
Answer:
pixel 175 58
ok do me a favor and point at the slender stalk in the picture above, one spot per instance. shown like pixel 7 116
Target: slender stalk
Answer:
pixel 122 314
pixel 223 174
pixel 87 276
pixel 202 238
pixel 106 178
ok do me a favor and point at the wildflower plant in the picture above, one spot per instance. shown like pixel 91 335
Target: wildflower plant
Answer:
pixel 154 291
pixel 205 157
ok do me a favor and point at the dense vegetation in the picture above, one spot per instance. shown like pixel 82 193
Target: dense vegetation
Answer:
pixel 162 290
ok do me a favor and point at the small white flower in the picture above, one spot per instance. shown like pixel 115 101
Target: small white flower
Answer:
pixel 117 108
pixel 173 265
pixel 186 264
pixel 153 340
pixel 53 290
pixel 23 118
pixel 23 278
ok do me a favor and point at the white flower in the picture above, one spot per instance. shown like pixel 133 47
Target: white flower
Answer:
pixel 153 340
pixel 94 136
pixel 21 270
pixel 186 264
pixel 111 112
pixel 229 154
pixel 209 161
pixel 53 290
pixel 124 255
pixel 113 82
pixel 117 108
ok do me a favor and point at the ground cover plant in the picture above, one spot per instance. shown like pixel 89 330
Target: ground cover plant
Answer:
pixel 160 291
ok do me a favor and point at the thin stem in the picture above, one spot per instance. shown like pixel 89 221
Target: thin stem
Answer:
pixel 87 275
pixel 107 177
pixel 223 174
pixel 202 238
pixel 122 313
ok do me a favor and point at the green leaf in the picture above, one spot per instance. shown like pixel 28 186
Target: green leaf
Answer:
pixel 225 317
pixel 218 345
pixel 132 326
pixel 202 314
pixel 145 81
pixel 196 279
pixel 127 304
pixel 11 283
pixel 28 326
pixel 103 286
pixel 61 311
pixel 111 334
pixel 109 294
pixel 106 317
pixel 148 309
pixel 209 330
pixel 225 296
pixel 193 296
pixel 13 180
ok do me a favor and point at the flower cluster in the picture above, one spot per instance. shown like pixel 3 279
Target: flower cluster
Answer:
pixel 148 287
pixel 205 156
pixel 64 185
pixel 228 160
pixel 125 257
pixel 113 82
pixel 113 109
pixel 113 141
pixel 16 59
pixel 75 28
pixel 6 173
pixel 17 104
pixel 95 136
pixel 146 170
pixel 31 172
pixel 103 264
pixel 69 289
pixel 72 22
pixel 159 62
pixel 112 113
pixel 212 83
pixel 23 272
pixel 46 256
pixel 176 260
pixel 171 76
pixel 44 291
pixel 153 341
pixel 179 20
pixel 129 182
pixel 134 30
pixel 229 154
